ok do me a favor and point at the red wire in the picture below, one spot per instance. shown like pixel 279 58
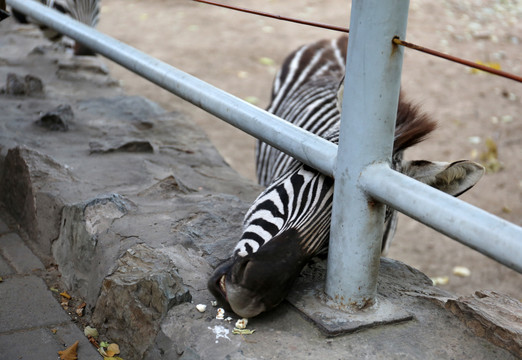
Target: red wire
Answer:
pixel 396 41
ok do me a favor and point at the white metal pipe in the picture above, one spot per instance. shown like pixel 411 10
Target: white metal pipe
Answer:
pixel 310 149
pixel 476 228
pixel 371 94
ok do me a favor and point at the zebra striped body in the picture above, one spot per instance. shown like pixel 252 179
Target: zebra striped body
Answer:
pixel 289 222
pixel 84 11
pixel 304 93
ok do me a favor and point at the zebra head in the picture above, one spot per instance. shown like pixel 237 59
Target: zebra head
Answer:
pixel 289 222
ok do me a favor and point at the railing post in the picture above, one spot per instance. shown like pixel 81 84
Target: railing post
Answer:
pixel 371 92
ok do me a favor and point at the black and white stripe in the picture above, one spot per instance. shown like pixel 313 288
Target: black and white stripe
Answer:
pixel 289 223
pixel 298 197
pixel 304 93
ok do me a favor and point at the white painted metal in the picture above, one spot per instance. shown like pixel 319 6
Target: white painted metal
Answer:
pixel 371 94
pixel 308 148
pixel 476 228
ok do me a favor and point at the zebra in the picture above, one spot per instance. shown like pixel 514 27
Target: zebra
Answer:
pixel 289 222
pixel 84 11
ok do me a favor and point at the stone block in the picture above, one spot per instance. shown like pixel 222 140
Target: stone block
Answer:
pixel 493 316
pixel 135 298
pixel 57 119
pixel 86 249
pixel 32 185
pixel 28 85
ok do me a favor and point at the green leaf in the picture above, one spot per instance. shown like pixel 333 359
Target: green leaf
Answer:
pixel 266 61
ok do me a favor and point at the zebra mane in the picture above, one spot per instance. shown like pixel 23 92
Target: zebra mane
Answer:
pixel 412 126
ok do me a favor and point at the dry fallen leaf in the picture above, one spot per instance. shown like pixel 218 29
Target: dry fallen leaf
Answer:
pixel 237 331
pixel 112 349
pixel 440 280
pixel 252 100
pixel 461 271
pixel 80 309
pixel 266 61
pixel 90 331
pixel 493 65
pixel 65 295
pixel 93 341
pixel 71 353
pixel 489 158
pixel 506 209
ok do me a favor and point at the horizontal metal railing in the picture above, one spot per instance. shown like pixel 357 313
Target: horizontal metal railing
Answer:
pixel 311 150
pixel 484 232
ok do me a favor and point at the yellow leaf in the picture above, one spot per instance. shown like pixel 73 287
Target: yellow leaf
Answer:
pixel 506 209
pixel 65 295
pixel 71 353
pixel 489 158
pixel 461 271
pixel 493 65
pixel 237 331
pixel 112 349
pixel 252 100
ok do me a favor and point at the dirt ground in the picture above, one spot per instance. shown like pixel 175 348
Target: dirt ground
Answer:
pixel 225 48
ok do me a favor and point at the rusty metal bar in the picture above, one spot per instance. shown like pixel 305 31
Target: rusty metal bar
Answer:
pixel 395 40
pixel 458 60
pixel 277 17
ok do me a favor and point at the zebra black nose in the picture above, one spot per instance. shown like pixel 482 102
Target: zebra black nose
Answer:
pixel 260 281
pixel 217 283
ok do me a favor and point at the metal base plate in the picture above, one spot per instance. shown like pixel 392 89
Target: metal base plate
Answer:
pixel 309 298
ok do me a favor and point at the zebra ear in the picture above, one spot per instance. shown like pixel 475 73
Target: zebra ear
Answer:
pixel 454 179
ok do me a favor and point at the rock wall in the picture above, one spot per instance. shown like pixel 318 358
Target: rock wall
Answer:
pixel 136 207
pixel 101 181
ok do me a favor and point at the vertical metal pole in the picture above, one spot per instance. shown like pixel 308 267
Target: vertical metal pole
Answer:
pixel 371 93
